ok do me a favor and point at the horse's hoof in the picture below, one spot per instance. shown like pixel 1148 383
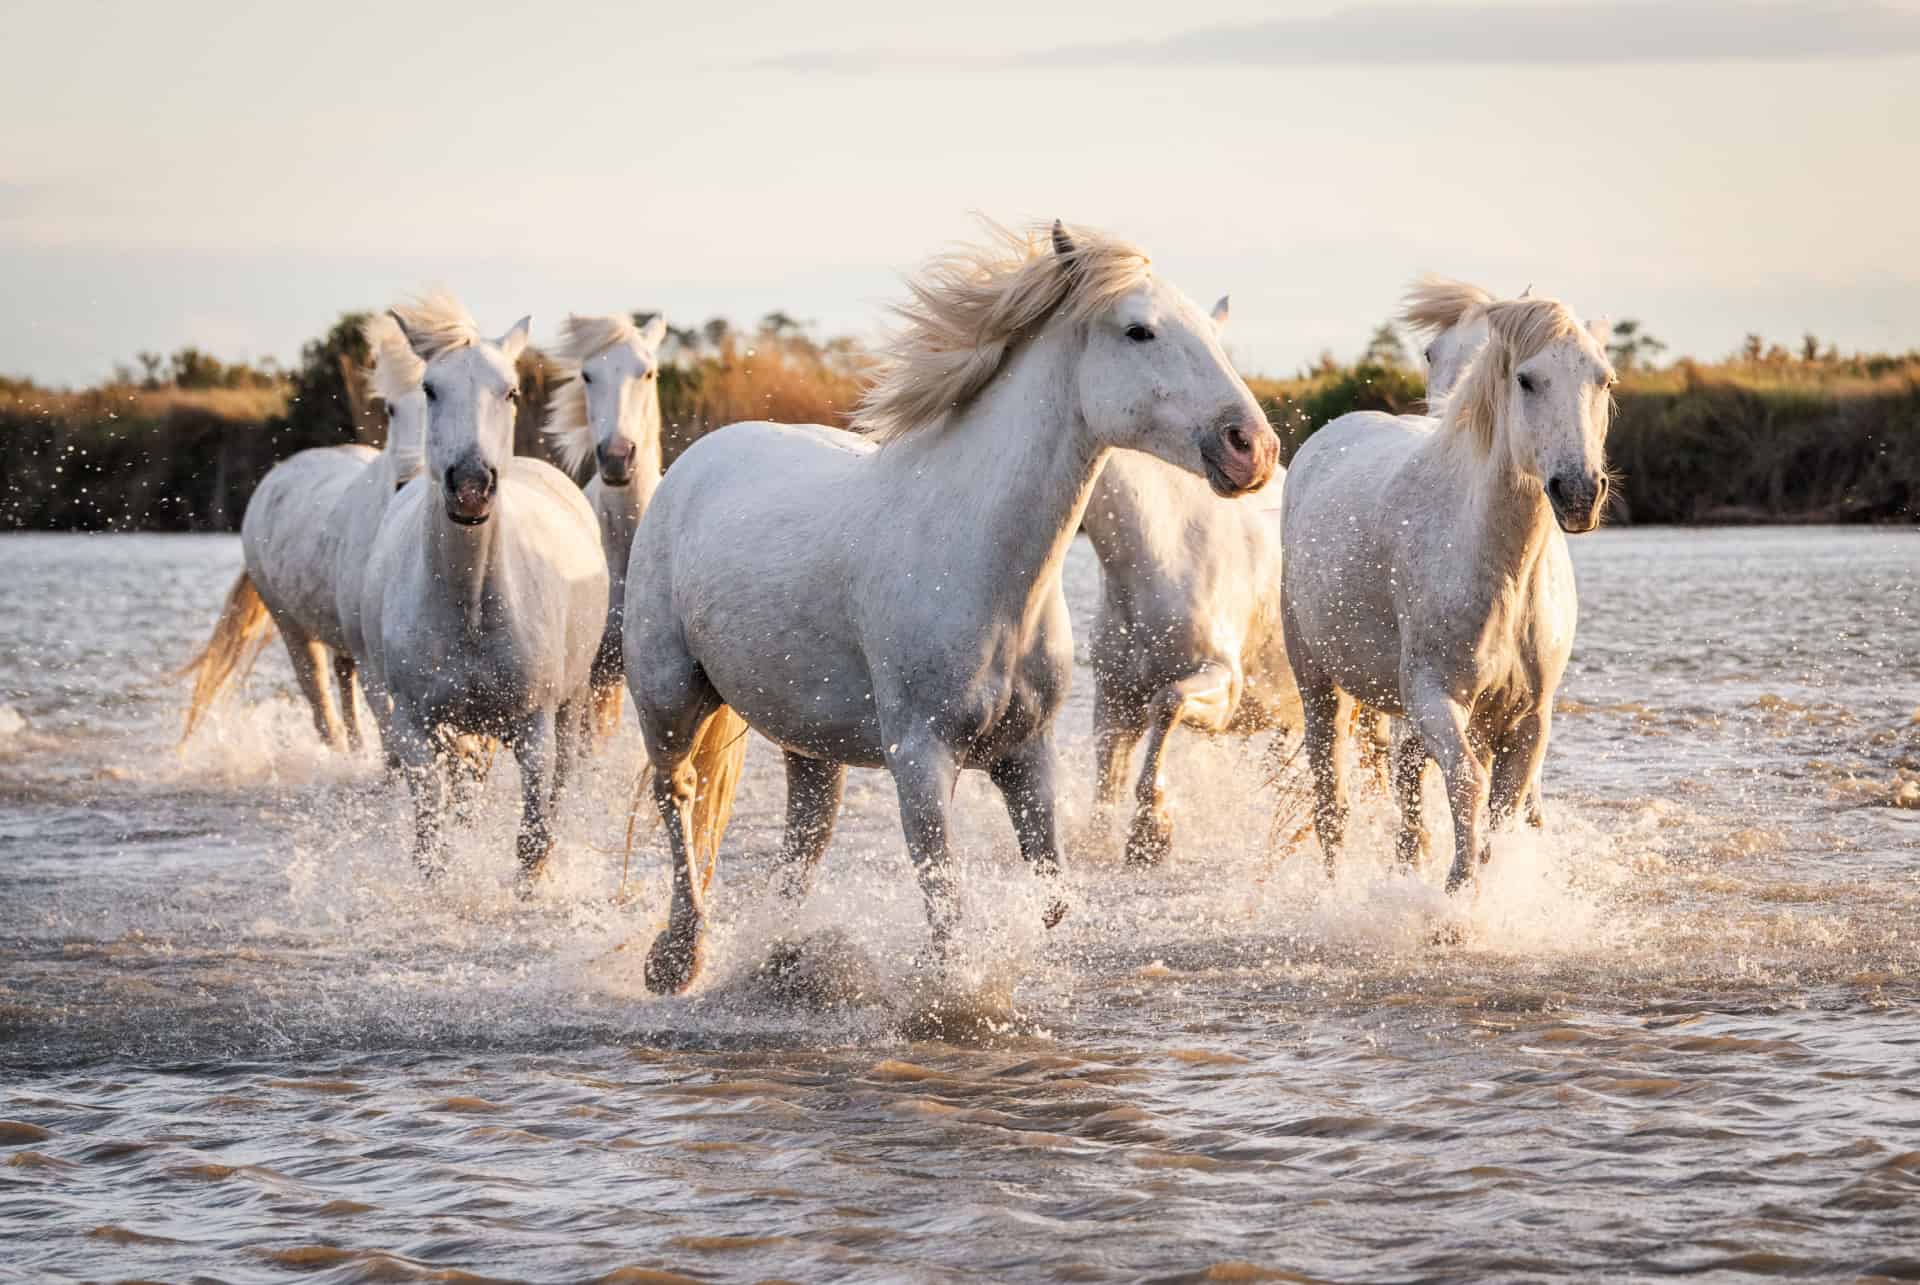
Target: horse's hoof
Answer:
pixel 1150 840
pixel 1056 911
pixel 673 962
pixel 1448 934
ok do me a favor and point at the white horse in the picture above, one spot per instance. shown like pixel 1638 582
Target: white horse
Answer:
pixel 1453 316
pixel 611 413
pixel 355 519
pixel 486 593
pixel 1189 629
pixel 287 546
pixel 1427 575
pixel 895 600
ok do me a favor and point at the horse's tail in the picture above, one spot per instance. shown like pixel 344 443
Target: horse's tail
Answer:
pixel 243 629
pixel 719 749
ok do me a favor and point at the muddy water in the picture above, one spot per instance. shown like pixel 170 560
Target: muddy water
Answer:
pixel 1679 1033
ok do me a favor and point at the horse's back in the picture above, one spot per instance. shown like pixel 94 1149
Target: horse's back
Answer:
pixel 289 540
pixel 1340 531
pixel 559 537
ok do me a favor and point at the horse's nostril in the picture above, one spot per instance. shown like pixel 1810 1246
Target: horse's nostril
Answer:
pixel 1557 491
pixel 1238 439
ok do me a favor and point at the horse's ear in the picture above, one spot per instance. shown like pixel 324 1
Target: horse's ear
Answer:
pixel 655 331
pixel 1601 328
pixel 1062 243
pixel 514 342
pixel 1219 313
pixel 1527 293
pixel 405 333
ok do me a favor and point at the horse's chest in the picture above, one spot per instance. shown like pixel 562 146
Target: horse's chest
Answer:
pixel 1014 698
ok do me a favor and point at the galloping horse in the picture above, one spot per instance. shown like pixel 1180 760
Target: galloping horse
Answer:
pixel 894 599
pixel 356 516
pixel 1189 629
pixel 611 413
pixel 486 593
pixel 287 546
pixel 1427 574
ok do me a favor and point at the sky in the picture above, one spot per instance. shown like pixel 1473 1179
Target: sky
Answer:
pixel 237 175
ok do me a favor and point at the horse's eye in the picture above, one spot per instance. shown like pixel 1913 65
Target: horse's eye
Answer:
pixel 650 374
pixel 586 377
pixel 1139 334
pixel 1526 383
pixel 1429 355
pixel 432 396
pixel 513 395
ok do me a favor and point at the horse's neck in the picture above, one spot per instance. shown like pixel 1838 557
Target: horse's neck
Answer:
pixel 463 560
pixel 1510 520
pixel 620 507
pixel 398 466
pixel 646 437
pixel 1004 484
pixel 1144 510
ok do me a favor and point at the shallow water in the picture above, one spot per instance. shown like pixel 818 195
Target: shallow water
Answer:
pixel 1676 1034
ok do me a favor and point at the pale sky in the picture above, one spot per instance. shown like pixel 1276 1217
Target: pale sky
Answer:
pixel 236 175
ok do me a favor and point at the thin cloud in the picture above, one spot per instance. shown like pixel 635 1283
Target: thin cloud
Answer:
pixel 1579 34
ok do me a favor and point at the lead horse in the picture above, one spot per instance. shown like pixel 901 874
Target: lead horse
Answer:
pixel 486 593
pixel 894 599
pixel 1189 627
pixel 1427 574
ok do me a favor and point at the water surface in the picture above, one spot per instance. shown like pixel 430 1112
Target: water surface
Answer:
pixel 1679 1033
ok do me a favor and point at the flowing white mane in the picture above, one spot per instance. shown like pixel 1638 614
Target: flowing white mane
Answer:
pixel 581 339
pixel 397 370
pixel 972 305
pixel 1435 304
pixel 436 323
pixel 1517 330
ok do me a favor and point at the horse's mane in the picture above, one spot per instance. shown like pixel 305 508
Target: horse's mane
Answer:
pixel 971 305
pixel 1517 329
pixel 1435 304
pixel 581 338
pixel 436 322
pixel 397 369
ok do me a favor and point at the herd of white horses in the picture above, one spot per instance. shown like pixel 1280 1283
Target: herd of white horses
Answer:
pixel 892 596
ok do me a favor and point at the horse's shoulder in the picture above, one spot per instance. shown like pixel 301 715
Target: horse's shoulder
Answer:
pixel 543 479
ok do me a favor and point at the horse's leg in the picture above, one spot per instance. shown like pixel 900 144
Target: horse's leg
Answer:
pixel 1516 771
pixel 1373 735
pixel 310 662
pixel 570 740
pixel 426 775
pixel 609 685
pixel 924 772
pixel 1118 721
pixel 813 803
pixel 1205 697
pixel 534 745
pixel 343 680
pixel 1407 767
pixel 1321 723
pixel 1443 728
pixel 1025 780
pixel 675 957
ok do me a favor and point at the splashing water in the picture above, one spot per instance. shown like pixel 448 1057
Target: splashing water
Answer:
pixel 1674 1032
